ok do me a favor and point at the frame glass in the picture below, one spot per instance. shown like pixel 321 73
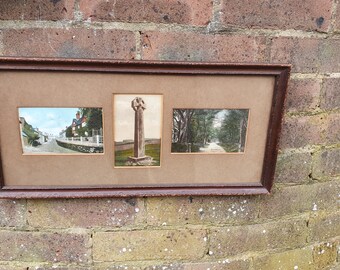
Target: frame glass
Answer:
pixel 229 128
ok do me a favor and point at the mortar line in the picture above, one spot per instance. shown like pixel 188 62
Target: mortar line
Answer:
pixel 215 17
pixel 138 41
pixel 319 76
pixel 333 15
pixel 161 27
pixel 2 47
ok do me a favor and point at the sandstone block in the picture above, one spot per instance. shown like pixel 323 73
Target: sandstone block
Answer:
pixel 293 259
pixel 149 245
pixel 293 167
pixel 12 213
pixel 43 247
pixel 326 164
pixel 84 213
pixel 324 226
pixel 228 241
pixel 201 210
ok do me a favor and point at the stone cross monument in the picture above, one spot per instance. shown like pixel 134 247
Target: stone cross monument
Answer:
pixel 138 105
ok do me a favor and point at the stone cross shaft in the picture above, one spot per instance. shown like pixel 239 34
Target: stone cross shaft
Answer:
pixel 138 105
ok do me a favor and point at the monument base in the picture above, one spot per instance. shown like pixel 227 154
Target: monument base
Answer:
pixel 141 161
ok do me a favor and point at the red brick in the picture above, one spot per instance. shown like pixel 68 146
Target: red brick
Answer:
pixel 40 247
pixel 307 55
pixel 84 213
pixel 301 53
pixel 189 12
pixel 302 95
pixel 36 10
pixel 69 43
pixel 326 164
pixel 200 47
pixel 12 213
pixel 278 14
pixel 329 55
pixel 302 131
pixel 330 94
pixel 333 127
pixel 293 168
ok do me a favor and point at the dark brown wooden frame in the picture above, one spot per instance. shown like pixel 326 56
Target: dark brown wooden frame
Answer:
pixel 280 71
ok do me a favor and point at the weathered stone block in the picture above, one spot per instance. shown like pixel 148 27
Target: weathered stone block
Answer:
pixel 12 213
pixel 299 199
pixel 200 47
pixel 327 196
pixel 201 210
pixel 330 94
pixel 306 15
pixel 326 164
pixel 324 226
pixel 44 247
pixel 182 12
pixel 69 43
pixel 302 95
pixel 293 259
pixel 293 167
pixel 149 245
pixel 36 10
pixel 324 255
pixel 85 213
pixel 240 239
pixel 302 131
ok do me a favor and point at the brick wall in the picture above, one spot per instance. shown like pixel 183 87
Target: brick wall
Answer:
pixel 297 227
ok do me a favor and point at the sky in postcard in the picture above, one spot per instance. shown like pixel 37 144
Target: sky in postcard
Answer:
pixel 49 120
pixel 124 116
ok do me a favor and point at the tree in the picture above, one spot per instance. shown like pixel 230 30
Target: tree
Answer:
pixel 181 125
pixel 94 117
pixel 233 129
pixel 202 126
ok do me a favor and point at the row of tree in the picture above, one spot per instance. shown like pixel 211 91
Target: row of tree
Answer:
pixel 199 126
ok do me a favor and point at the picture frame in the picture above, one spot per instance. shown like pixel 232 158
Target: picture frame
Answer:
pixel 230 119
